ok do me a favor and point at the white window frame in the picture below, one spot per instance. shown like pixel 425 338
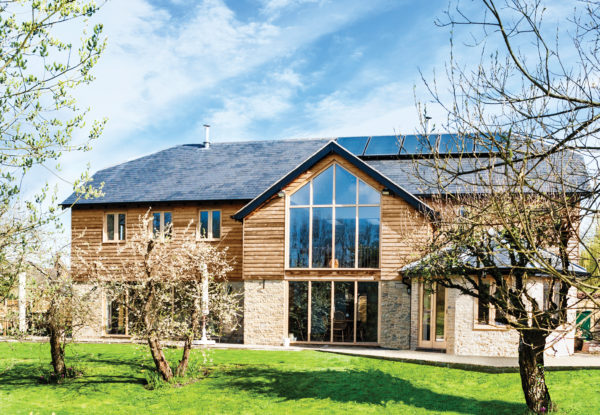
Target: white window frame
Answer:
pixel 116 227
pixel 161 232
pixel 333 206
pixel 209 236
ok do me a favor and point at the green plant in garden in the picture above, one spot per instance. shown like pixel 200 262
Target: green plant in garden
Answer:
pixel 39 117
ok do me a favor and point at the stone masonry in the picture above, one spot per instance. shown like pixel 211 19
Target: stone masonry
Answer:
pixel 264 312
pixel 96 323
pixel 395 315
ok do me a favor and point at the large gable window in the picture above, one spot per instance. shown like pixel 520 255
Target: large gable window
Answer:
pixel 334 222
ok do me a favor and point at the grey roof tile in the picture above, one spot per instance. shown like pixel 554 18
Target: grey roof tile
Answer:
pixel 243 170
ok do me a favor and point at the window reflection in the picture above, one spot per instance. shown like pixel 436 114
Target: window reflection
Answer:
pixel 298 310
pixel 345 237
pixel 349 208
pixel 367 304
pixel 367 195
pixel 302 196
pixel 321 238
pixel 345 187
pixel 320 311
pixel 299 219
pixel 368 237
pixel 323 188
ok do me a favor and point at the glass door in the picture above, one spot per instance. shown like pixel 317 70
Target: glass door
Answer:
pixel 432 316
pixel 333 311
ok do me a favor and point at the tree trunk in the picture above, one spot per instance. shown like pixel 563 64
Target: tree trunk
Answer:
pixel 58 354
pixel 185 357
pixel 160 361
pixel 531 368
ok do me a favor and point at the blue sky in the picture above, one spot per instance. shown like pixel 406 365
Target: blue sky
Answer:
pixel 256 69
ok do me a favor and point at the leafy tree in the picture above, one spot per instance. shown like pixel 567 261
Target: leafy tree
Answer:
pixel 39 117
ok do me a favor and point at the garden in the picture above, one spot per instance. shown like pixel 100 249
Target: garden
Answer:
pixel 121 379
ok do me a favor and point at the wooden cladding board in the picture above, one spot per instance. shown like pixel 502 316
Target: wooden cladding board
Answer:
pixel 402 230
pixel 87 231
pixel 404 234
pixel 264 241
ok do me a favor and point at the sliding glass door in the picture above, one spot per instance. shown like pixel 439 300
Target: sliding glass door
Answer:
pixel 333 311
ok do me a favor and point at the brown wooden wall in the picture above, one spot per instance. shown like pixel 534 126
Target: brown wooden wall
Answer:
pixel 403 229
pixel 87 227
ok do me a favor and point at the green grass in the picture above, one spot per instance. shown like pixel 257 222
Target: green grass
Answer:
pixel 262 382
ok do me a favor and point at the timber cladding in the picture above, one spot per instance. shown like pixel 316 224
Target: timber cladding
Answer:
pixel 403 229
pixel 87 226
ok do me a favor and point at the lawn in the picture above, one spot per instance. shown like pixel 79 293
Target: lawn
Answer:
pixel 264 382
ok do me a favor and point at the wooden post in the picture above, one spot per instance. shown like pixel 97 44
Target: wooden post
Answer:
pixel 22 303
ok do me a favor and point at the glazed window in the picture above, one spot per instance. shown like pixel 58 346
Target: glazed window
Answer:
pixel 487 314
pixel 162 224
pixel 334 222
pixel 114 227
pixel 210 224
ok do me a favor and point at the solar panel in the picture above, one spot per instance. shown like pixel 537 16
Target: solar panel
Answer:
pixel 383 145
pixel 355 145
pixel 486 144
pixel 418 144
pixel 405 145
pixel 455 144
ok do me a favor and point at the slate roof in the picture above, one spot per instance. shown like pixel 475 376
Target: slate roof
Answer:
pixel 242 171
pixel 224 171
pixel 501 256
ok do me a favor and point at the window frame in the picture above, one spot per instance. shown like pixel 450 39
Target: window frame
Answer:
pixel 333 206
pixel 492 324
pixel 332 283
pixel 161 232
pixel 209 236
pixel 116 232
pixel 107 304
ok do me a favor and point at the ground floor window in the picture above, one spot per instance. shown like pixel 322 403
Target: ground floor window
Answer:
pixel 120 320
pixel 116 317
pixel 333 311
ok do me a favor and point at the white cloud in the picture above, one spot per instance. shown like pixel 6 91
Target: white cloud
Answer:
pixel 154 64
pixel 274 8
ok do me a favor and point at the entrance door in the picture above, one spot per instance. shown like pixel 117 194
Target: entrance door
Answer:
pixel 432 316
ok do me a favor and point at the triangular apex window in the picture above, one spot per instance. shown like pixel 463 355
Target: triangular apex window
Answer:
pixel 334 222
pixel 348 190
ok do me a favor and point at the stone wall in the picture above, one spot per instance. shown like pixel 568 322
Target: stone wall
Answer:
pixel 395 315
pixel 94 328
pixel 414 314
pixel 469 340
pixel 234 332
pixel 264 312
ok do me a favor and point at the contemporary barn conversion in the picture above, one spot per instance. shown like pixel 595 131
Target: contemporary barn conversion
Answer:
pixel 319 230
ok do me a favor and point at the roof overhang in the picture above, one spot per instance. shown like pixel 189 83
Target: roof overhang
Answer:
pixel 329 149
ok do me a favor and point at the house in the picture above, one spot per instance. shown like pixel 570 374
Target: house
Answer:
pixel 319 230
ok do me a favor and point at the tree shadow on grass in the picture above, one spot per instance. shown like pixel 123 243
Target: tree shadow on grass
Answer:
pixel 370 387
pixel 28 374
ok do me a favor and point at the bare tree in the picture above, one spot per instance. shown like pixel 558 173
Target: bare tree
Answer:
pixel 517 183
pixel 161 281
